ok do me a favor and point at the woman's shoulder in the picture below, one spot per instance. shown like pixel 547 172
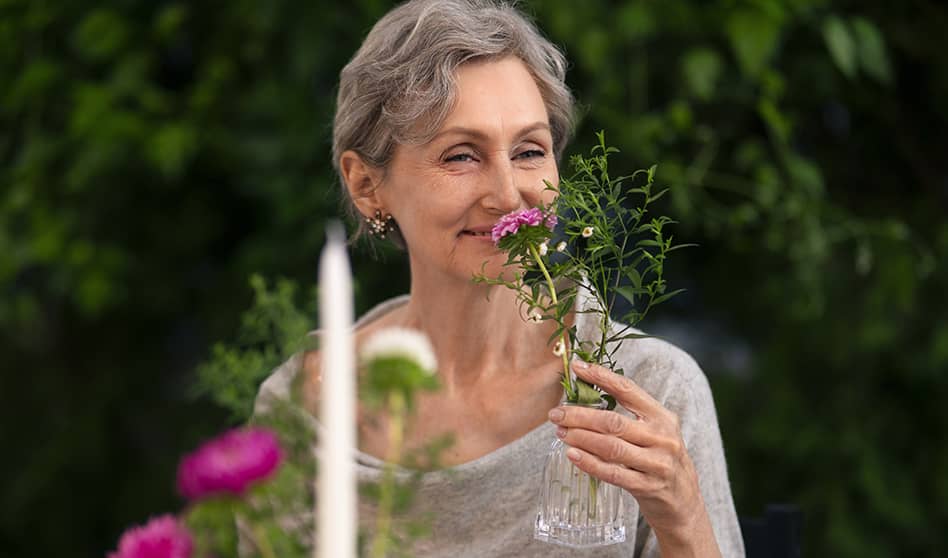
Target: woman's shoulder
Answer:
pixel 302 370
pixel 280 383
pixel 656 356
pixel 667 372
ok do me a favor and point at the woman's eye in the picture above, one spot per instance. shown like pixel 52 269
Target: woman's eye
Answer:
pixel 530 154
pixel 459 158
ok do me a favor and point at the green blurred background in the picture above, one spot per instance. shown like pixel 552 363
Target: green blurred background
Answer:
pixel 155 154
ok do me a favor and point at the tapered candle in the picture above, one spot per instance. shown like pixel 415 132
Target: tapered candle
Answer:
pixel 336 489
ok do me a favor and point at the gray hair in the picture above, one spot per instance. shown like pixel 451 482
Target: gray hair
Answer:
pixel 400 85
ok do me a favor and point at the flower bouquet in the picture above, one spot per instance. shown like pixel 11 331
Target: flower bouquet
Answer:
pixel 396 364
pixel 597 236
pixel 250 491
pixel 218 479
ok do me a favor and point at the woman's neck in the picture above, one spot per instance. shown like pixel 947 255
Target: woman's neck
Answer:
pixel 477 331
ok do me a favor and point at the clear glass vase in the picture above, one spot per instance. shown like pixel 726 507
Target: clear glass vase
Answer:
pixel 575 509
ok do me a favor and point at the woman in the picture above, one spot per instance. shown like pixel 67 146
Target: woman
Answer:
pixel 451 114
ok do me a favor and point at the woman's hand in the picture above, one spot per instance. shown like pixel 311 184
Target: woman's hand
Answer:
pixel 647 457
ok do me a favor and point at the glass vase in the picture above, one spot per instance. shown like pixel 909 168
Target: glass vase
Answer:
pixel 575 509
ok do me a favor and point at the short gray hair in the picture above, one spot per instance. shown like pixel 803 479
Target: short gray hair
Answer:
pixel 400 85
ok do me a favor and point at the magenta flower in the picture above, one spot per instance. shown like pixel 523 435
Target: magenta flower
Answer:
pixel 161 537
pixel 551 221
pixel 511 222
pixel 229 463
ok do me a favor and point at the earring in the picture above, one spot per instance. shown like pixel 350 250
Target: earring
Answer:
pixel 380 225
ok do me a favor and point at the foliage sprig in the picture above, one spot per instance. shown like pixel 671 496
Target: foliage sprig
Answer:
pixel 610 245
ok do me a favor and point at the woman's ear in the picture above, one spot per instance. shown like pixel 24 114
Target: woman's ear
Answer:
pixel 362 181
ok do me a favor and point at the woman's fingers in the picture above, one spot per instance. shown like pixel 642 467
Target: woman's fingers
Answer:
pixel 611 449
pixel 631 480
pixel 614 424
pixel 627 393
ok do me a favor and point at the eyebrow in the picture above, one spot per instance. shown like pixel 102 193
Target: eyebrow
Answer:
pixel 475 133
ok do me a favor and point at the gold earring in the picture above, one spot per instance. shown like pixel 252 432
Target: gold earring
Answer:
pixel 380 225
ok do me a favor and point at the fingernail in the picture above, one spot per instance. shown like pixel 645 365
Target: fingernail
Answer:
pixel 573 455
pixel 560 432
pixel 581 364
pixel 557 415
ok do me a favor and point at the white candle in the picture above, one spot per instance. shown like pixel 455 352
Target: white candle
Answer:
pixel 336 489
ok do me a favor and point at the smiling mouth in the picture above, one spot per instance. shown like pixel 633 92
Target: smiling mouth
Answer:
pixel 476 234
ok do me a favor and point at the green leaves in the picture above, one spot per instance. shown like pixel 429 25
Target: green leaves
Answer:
pixel 171 147
pixel 754 36
pixel 100 35
pixel 271 331
pixel 212 521
pixel 701 68
pixel 857 44
pixel 841 45
pixel 871 52
pixel 518 245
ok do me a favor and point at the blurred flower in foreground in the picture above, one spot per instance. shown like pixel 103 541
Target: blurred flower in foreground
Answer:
pixel 397 342
pixel 161 537
pixel 396 361
pixel 229 463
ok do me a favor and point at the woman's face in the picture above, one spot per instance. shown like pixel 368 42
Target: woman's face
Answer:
pixel 491 156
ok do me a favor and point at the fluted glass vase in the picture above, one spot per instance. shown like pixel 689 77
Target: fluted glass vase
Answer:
pixel 575 509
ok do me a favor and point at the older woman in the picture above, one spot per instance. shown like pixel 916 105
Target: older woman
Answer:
pixel 451 114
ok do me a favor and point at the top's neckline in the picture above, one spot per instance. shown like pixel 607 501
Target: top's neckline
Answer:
pixel 372 462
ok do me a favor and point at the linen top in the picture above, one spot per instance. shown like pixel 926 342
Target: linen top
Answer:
pixel 487 507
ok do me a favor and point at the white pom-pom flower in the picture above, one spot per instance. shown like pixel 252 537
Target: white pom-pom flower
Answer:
pixel 561 247
pixel 544 248
pixel 559 348
pixel 399 342
pixel 587 232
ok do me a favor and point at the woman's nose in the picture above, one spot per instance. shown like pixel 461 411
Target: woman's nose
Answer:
pixel 504 192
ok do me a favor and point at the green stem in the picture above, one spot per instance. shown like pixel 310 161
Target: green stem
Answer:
pixel 567 379
pixel 603 328
pixel 396 432
pixel 263 542
pixel 593 510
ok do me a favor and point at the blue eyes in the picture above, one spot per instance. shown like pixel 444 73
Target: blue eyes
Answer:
pixel 529 154
pixel 460 158
pixel 467 157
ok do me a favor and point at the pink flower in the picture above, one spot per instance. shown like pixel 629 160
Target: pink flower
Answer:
pixel 161 537
pixel 229 463
pixel 551 221
pixel 511 222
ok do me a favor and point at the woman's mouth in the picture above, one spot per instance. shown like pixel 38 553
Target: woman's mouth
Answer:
pixel 477 234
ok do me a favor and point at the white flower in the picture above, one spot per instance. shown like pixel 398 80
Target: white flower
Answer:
pixel 559 348
pixel 587 232
pixel 535 317
pixel 544 248
pixel 400 342
pixel 561 247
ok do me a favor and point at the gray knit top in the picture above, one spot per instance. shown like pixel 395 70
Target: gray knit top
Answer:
pixel 487 507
